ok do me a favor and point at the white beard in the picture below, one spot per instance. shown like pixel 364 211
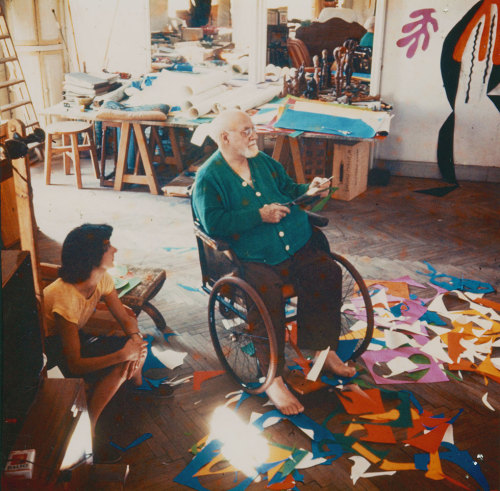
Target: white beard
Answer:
pixel 251 151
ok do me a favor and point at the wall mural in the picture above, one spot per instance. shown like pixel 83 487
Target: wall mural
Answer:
pixel 470 68
pixel 420 27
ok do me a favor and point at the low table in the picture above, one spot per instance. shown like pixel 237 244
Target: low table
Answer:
pixel 138 299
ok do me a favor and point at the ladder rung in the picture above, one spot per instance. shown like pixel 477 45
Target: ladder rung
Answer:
pixel 8 83
pixel 4 36
pixel 14 105
pixel 32 123
pixel 9 58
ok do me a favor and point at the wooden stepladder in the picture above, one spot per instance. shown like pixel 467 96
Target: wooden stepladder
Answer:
pixel 19 105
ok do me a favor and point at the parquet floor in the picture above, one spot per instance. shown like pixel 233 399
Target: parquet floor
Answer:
pixel 386 232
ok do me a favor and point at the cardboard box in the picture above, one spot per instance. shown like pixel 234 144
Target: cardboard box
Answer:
pixel 350 169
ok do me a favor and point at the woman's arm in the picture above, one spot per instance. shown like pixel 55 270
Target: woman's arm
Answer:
pixel 71 350
pixel 126 321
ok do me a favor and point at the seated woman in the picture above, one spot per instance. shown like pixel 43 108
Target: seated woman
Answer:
pixel 105 362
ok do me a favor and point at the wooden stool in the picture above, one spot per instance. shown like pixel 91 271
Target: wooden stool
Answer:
pixel 69 131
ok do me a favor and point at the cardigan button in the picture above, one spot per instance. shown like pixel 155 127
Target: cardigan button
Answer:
pixel 281 233
pixel 287 247
pixel 244 184
pixel 258 193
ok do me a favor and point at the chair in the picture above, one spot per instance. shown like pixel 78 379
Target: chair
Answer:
pixel 299 54
pixel 70 148
pixel 232 298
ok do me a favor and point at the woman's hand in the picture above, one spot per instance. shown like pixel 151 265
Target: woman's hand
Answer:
pixel 273 213
pixel 135 351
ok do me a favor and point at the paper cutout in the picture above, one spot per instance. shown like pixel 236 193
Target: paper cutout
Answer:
pixel 137 441
pixel 387 465
pixel 486 403
pixel 360 466
pixel 357 447
pixel 434 373
pixel 171 359
pixel 401 364
pixel 431 441
pixel 318 365
pixel 358 403
pixel 200 377
pixel 378 434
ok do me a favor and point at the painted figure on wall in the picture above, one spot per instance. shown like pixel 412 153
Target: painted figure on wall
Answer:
pixel 470 67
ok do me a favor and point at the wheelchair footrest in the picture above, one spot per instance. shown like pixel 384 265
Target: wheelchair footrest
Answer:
pixel 298 382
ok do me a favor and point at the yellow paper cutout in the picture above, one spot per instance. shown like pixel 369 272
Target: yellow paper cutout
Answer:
pixel 352 428
pixel 365 453
pixel 391 415
pixel 387 465
pixel 206 470
pixel 276 454
pixel 434 470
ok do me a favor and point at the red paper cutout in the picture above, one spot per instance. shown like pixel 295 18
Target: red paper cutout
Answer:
pixel 379 434
pixel 200 377
pixel 431 441
pixel 357 403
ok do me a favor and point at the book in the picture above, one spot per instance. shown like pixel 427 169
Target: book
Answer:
pixel 82 79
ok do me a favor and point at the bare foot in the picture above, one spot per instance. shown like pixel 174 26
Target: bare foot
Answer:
pixel 337 366
pixel 282 398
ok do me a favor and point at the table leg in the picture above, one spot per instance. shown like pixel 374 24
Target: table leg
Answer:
pixel 122 155
pixel 146 159
pixel 155 315
pixel 176 159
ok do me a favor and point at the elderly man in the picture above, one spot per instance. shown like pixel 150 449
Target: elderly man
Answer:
pixel 237 197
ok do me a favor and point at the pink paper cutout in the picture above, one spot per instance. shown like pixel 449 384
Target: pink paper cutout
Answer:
pixel 434 374
pixel 419 28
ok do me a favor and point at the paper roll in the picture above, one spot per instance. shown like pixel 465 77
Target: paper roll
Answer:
pixel 197 83
pixel 200 98
pixel 241 65
pixel 247 97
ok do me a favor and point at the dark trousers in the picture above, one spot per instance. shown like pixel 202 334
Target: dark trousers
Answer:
pixel 317 281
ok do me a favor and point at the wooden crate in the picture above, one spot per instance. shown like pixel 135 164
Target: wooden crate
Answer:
pixel 350 169
pixel 316 155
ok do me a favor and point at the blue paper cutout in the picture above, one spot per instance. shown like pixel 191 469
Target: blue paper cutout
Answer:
pixel 454 283
pixel 189 288
pixel 432 318
pixel 324 123
pixel 463 459
pixel 202 458
pixel 136 442
pixel 166 335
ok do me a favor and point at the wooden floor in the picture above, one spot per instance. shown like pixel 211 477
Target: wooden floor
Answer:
pixel 387 232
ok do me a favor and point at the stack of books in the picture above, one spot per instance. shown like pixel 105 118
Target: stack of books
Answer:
pixel 80 84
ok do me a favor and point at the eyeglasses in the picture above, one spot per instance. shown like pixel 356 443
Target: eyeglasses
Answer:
pixel 247 132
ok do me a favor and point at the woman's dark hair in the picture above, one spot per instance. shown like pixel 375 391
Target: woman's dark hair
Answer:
pixel 82 251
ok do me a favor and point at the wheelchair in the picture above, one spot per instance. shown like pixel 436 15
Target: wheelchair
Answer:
pixel 231 299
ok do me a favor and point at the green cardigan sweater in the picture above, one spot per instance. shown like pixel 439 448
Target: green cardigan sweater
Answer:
pixel 228 208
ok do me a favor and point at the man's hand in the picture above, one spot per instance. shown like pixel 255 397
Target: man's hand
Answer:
pixel 319 186
pixel 273 213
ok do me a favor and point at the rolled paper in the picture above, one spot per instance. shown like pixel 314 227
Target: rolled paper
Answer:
pixel 241 65
pixel 195 100
pixel 200 82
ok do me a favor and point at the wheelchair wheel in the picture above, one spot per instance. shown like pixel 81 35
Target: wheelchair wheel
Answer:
pixel 356 305
pixel 240 350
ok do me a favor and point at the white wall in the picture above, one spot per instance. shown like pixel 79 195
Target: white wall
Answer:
pixel 113 34
pixel 415 87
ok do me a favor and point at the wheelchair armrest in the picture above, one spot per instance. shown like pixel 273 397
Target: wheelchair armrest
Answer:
pixel 317 220
pixel 217 244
